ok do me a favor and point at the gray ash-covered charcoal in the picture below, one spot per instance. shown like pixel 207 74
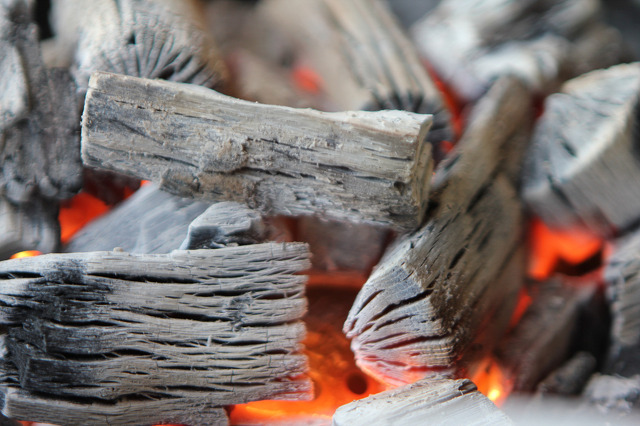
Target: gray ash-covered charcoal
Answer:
pixel 434 289
pixel 583 160
pixel 195 328
pixel 372 167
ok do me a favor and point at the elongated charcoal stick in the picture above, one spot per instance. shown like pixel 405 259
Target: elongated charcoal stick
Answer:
pixel 372 167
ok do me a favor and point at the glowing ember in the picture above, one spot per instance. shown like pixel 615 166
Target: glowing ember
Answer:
pixel 27 253
pixel 549 246
pixel 332 368
pixel 492 382
pixel 77 212
pixel 451 100
pixel 306 79
pixel 524 300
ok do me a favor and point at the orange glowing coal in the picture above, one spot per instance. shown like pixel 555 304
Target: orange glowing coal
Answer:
pixel 549 247
pixel 306 79
pixel 336 379
pixel 26 253
pixel 77 212
pixel 492 381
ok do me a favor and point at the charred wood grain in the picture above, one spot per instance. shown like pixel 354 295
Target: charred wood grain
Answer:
pixel 23 405
pixel 584 154
pixel 431 292
pixel 145 38
pixel 221 326
pixel 438 401
pixel 370 167
pixel 363 58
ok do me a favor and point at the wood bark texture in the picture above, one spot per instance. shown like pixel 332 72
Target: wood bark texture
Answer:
pixel 146 38
pixel 39 153
pixel 433 290
pixel 372 167
pixel 151 221
pixel 216 326
pixel 471 43
pixel 435 401
pixel 623 293
pixel 584 154
pixel 543 337
pixel 363 58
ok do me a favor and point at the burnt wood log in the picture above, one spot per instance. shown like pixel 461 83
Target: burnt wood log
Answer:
pixel 145 38
pixel 372 167
pixel 424 302
pixel 151 221
pixel 225 224
pixel 472 43
pixel 583 154
pixel 623 293
pixel 221 326
pixel 362 55
pixel 23 405
pixel 433 400
pixel 544 335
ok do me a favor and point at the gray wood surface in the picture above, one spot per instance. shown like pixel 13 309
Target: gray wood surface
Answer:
pixel 583 158
pixel 427 298
pixel 221 326
pixel 371 167
pixel 23 405
pixel 428 401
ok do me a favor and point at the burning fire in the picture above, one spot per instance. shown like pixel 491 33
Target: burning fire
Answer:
pixel 337 380
pixel 549 247
pixel 77 212
pixel 26 253
pixel 492 381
